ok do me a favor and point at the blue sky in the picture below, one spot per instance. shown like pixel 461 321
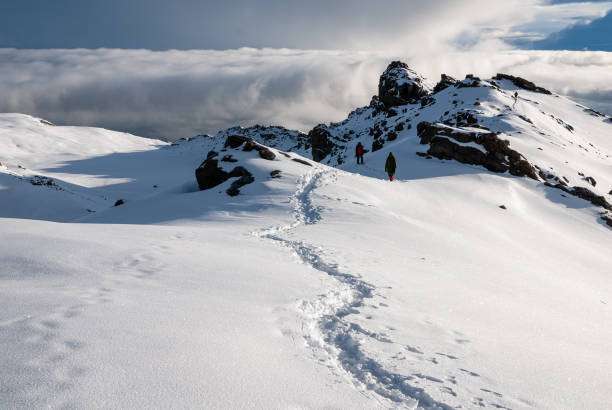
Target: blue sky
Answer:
pixel 314 24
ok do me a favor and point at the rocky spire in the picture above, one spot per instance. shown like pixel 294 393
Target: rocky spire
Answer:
pixel 400 85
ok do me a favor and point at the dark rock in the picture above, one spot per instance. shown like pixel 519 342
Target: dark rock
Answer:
pixel 427 100
pixel 499 156
pixel 391 112
pixel 426 131
pixel 465 118
pixel 211 154
pixel 392 135
pixel 503 207
pixel 235 141
pixel 522 83
pixel 275 174
pixel 245 177
pixel 209 174
pixel 301 161
pixel 399 126
pixel 376 145
pixel 522 117
pixel 522 168
pixel 228 158
pixel 443 148
pixel 591 180
pixel 590 196
pixel 399 85
pixel 119 202
pixel 607 220
pixel 42 181
pixel 445 82
pixel 265 153
pixel 321 142
pixel 470 81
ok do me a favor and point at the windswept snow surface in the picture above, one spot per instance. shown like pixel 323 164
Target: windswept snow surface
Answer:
pixel 320 289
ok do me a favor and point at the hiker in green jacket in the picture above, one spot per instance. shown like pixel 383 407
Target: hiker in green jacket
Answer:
pixel 390 166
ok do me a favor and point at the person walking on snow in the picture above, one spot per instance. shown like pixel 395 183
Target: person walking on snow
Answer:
pixel 515 96
pixel 390 166
pixel 359 153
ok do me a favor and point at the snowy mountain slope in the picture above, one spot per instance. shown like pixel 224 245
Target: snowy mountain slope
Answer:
pixel 565 144
pixel 315 286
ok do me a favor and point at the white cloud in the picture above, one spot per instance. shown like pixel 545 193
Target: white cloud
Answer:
pixel 183 93
pixel 545 19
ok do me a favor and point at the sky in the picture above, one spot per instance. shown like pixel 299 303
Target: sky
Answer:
pixel 176 69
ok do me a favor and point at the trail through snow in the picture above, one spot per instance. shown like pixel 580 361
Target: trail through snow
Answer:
pixel 328 329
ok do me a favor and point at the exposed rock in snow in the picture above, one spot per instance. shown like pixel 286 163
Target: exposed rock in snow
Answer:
pixel 495 154
pixel 273 136
pixel 321 141
pixel 235 141
pixel 445 82
pixel 400 85
pixel 522 83
pixel 584 193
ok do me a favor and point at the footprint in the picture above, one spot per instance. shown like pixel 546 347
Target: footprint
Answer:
pixel 478 401
pixel 492 392
pixel 412 349
pixel 430 378
pixel 50 324
pixel 447 356
pixel 449 391
pixel 470 373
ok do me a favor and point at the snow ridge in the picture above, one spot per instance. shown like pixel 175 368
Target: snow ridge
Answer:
pixel 328 330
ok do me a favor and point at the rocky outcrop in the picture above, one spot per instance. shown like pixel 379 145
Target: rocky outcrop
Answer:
pixel 445 82
pixel 591 180
pixel 43 181
pixel 271 136
pixel 584 193
pixel 399 85
pixel 235 141
pixel 321 142
pixel 522 83
pixel 470 81
pixel 446 143
pixel 209 174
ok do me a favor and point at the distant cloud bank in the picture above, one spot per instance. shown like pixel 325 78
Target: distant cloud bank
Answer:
pixel 182 93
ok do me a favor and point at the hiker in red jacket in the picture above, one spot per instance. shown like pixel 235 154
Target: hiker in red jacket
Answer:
pixel 359 153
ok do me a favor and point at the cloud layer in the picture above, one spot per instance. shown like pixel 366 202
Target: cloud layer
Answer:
pixel 182 93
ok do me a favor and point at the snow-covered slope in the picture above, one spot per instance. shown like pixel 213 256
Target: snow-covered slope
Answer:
pixel 314 286
pixel 564 143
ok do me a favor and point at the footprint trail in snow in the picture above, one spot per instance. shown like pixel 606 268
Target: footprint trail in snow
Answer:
pixel 328 330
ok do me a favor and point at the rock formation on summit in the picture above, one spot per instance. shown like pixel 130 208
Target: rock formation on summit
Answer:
pixel 400 85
